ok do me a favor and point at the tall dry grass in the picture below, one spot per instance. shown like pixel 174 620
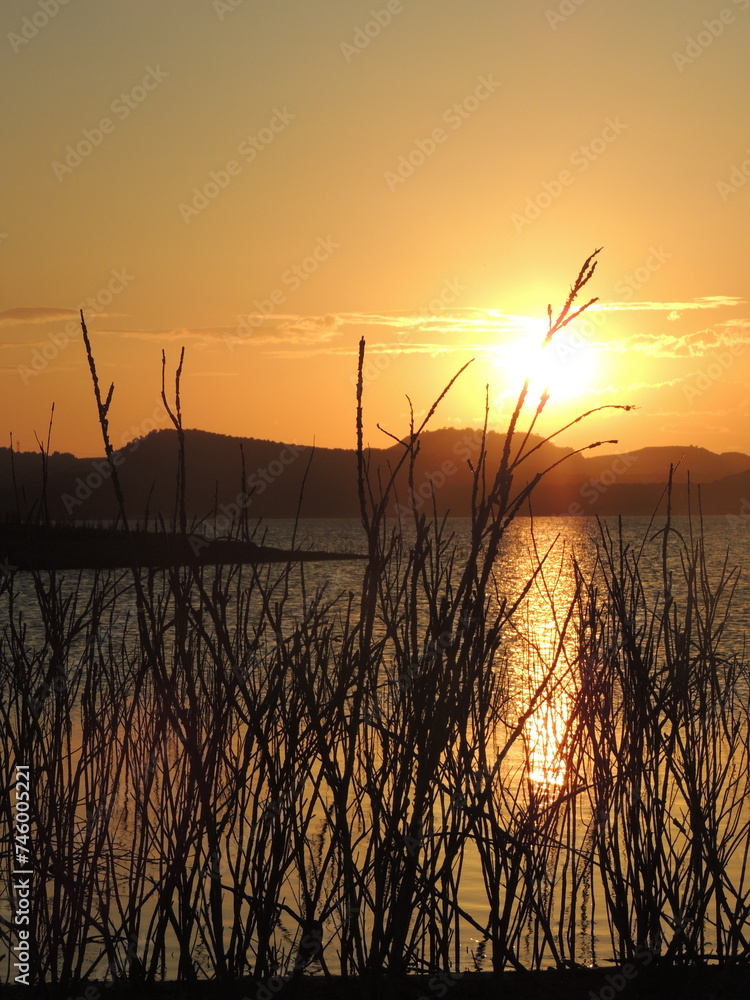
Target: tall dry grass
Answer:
pixel 224 788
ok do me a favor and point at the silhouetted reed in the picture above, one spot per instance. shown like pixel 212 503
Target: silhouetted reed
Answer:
pixel 225 787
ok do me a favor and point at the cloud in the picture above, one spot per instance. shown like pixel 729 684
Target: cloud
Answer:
pixel 696 343
pixel 631 386
pixel 388 348
pixel 694 411
pixel 23 345
pixel 730 335
pixel 703 302
pixel 35 314
pixel 467 330
pixel 471 330
pixel 445 323
pixel 327 325
pixel 180 334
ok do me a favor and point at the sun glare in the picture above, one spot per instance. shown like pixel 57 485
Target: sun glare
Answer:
pixel 565 367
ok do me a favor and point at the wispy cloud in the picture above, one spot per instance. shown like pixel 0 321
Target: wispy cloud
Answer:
pixel 159 335
pixel 479 330
pixel 696 344
pixel 633 386
pixel 443 332
pixel 703 302
pixel 468 330
pixel 35 314
pixel 326 326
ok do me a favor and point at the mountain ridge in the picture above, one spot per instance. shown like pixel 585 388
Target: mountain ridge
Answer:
pixel 592 483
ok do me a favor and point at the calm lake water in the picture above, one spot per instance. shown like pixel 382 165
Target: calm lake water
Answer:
pixel 727 541
pixel 532 639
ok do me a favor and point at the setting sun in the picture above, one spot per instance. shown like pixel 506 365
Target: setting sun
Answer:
pixel 565 367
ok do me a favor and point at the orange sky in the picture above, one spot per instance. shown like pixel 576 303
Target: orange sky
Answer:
pixel 265 181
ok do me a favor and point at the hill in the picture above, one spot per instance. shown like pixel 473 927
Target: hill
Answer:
pixel 274 472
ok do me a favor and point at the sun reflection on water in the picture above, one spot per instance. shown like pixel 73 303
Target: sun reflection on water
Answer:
pixel 544 653
pixel 544 735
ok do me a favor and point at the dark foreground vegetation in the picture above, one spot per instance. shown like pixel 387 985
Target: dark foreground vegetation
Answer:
pixel 665 983
pixel 238 777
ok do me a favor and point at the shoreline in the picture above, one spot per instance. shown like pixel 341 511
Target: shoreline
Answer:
pixel 27 547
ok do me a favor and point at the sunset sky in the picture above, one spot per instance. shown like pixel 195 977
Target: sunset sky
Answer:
pixel 265 181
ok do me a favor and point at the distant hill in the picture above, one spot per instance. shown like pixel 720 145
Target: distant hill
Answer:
pixel 652 464
pixel 627 483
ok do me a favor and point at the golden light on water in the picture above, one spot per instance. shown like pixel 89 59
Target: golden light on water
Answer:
pixel 545 655
pixel 545 733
